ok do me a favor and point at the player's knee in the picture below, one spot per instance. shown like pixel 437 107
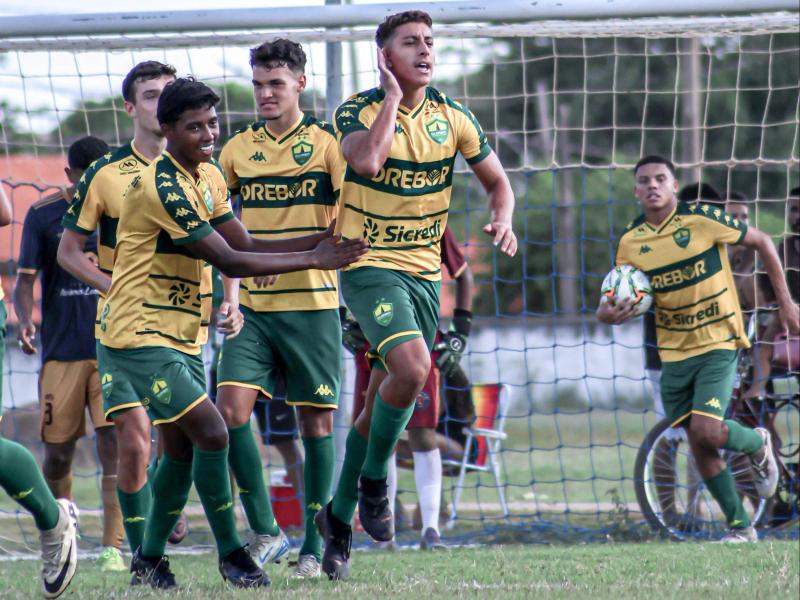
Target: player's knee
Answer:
pixel 708 433
pixel 213 437
pixel 235 412
pixel 58 462
pixel 413 373
pixel 315 422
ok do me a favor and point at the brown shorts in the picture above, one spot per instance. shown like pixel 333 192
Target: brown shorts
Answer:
pixel 66 390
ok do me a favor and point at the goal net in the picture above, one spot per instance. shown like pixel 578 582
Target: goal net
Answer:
pixel 568 106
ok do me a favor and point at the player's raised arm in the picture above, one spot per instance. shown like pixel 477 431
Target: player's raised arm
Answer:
pixel 788 311
pixel 501 201
pixel 365 150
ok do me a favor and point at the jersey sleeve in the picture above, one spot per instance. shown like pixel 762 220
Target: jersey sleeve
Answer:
pixel 623 252
pixel 335 163
pixel 178 219
pixel 723 228
pixel 87 206
pixel 30 251
pixel 452 256
pixel 226 163
pixel 349 118
pixel 472 142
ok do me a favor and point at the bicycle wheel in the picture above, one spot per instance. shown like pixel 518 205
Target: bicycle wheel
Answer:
pixel 671 493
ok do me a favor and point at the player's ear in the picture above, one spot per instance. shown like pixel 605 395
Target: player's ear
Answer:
pixel 301 82
pixel 130 107
pixel 68 173
pixel 674 185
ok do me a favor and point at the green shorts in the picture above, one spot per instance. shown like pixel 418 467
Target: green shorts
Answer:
pixel 166 382
pixel 305 346
pixel 392 307
pixel 699 385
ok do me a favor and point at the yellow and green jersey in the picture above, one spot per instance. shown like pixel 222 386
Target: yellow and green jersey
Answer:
pixel 160 293
pixel 288 186
pixel 696 306
pixel 402 211
pixel 97 203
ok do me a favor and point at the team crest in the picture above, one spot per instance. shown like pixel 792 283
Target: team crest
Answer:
pixel 301 152
pixel 209 201
pixel 682 237
pixel 161 390
pixel 383 313
pixel 438 129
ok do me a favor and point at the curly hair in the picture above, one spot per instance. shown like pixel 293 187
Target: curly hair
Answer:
pixel 392 22
pixel 279 53
pixel 185 93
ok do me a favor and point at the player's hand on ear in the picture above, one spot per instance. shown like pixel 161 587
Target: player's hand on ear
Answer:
pixel 230 320
pixel 387 79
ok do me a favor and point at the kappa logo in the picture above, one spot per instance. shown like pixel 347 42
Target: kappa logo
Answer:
pixel 134 519
pixel 383 313
pixel 23 494
pixel 182 212
pixel 192 224
pixel 224 507
pixel 714 403
pixel 644 249
pixel 398 129
pixel 346 114
pixel 163 176
pixel 323 390
pixel 258 157
pixel 438 129
pixel 165 184
pixel 173 197
pixel 316 506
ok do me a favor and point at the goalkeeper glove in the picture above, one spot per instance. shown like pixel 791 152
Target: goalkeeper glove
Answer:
pixel 352 337
pixel 453 342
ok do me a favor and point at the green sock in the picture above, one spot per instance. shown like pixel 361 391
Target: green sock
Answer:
pixel 246 464
pixel 723 488
pixel 385 428
pixel 170 487
pixel 741 438
pixel 21 478
pixel 346 497
pixel 210 475
pixel 135 509
pixel 317 482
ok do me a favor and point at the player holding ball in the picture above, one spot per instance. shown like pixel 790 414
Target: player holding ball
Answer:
pixel 681 248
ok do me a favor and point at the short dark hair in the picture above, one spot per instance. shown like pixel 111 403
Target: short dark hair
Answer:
pixel 702 192
pixel 149 69
pixel 794 192
pixel 737 197
pixel 654 159
pixel 392 22
pixel 279 53
pixel 84 151
pixel 185 93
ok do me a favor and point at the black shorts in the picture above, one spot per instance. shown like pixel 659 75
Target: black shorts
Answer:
pixel 276 420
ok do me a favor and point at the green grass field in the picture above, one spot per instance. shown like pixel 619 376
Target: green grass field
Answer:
pixel 770 569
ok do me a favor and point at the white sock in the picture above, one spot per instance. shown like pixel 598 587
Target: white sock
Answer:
pixel 391 482
pixel 428 476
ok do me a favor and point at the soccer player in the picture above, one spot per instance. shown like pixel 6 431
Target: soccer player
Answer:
pixel 424 444
pixel 68 380
pixel 287 170
pixel 21 479
pixel 699 327
pixel 96 207
pixel 175 223
pixel 400 142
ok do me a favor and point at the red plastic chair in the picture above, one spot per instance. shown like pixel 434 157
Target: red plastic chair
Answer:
pixel 484 440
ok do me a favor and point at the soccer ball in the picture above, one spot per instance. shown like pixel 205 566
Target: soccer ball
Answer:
pixel 628 282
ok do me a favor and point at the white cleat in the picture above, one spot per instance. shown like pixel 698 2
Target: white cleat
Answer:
pixel 308 567
pixel 268 548
pixel 744 535
pixel 764 466
pixel 59 553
